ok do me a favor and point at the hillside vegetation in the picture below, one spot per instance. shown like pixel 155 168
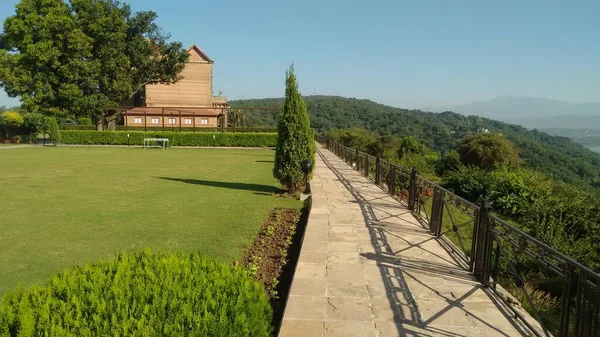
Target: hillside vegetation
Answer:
pixel 559 157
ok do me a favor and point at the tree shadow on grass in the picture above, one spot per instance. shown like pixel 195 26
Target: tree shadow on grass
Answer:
pixel 225 184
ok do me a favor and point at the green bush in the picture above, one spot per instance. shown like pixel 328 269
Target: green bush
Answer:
pixel 13 118
pixel 141 294
pixel 175 138
pixel 425 164
pixel 52 130
pixel 33 123
pixel 84 121
pixel 513 191
pixel 469 182
pixel 487 150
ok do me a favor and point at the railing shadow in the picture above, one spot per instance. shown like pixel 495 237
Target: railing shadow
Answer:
pixel 395 269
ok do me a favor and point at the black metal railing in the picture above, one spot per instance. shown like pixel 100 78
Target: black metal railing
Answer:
pixel 562 295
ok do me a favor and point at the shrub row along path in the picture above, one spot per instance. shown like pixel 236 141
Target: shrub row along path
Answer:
pixel 368 268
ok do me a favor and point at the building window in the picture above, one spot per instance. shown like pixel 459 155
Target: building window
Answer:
pixel 171 120
pixel 155 120
pixel 137 120
pixel 187 121
pixel 204 121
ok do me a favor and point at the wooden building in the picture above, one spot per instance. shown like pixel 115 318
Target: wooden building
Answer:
pixel 187 103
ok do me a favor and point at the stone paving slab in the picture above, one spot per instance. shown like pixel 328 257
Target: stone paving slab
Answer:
pixel 368 268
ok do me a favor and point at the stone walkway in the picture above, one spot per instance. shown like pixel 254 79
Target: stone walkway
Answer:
pixel 368 268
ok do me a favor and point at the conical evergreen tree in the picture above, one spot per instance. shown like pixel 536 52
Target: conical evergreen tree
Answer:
pixel 295 140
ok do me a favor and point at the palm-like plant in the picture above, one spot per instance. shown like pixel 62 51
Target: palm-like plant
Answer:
pixel 236 116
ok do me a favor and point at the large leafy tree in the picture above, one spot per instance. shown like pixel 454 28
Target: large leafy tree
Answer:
pixel 74 58
pixel 295 139
pixel 488 150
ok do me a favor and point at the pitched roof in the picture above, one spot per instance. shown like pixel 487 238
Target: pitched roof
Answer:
pixel 201 53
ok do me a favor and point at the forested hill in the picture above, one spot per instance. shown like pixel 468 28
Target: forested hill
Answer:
pixel 553 155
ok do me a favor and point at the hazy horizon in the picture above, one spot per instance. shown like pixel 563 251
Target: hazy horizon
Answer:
pixel 402 54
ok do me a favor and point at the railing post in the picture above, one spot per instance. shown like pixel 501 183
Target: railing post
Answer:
pixel 437 212
pixel 483 246
pixel 367 167
pixel 377 171
pixel 412 189
pixel 566 300
pixel 356 160
pixel 392 180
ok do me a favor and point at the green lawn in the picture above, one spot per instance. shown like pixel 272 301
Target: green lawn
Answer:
pixel 65 206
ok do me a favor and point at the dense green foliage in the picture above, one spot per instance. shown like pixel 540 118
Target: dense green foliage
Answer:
pixel 82 55
pixel 84 121
pixel 12 118
pixel 51 128
pixel 406 151
pixel 141 294
pixel 557 156
pixel 487 150
pixel 33 123
pixel 295 139
pixel 250 139
pixel 16 126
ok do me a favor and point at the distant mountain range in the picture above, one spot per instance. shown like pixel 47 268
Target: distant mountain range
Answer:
pixel 531 112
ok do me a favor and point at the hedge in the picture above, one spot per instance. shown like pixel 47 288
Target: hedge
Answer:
pixel 141 294
pixel 171 129
pixel 198 129
pixel 175 138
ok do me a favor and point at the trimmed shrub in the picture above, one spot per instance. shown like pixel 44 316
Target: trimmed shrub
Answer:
pixel 141 294
pixel 175 138
pixel 51 128
pixel 84 121
pixel 295 142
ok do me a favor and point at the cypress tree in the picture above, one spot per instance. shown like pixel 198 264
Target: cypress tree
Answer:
pixel 295 139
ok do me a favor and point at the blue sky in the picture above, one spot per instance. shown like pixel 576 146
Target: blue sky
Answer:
pixel 402 53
